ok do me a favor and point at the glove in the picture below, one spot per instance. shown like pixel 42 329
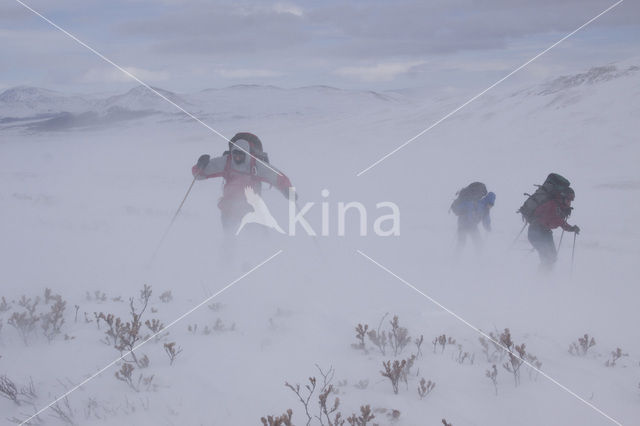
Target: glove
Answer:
pixel 576 229
pixel 203 161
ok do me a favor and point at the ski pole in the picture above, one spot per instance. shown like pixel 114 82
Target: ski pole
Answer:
pixel 573 251
pixel 560 242
pixel 518 236
pixel 166 232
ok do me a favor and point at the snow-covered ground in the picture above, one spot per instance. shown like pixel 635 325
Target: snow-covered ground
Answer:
pixel 85 203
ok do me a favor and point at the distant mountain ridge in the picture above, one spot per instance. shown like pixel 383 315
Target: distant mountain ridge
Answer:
pixel 41 109
pixel 39 100
pixel 141 98
pixel 592 76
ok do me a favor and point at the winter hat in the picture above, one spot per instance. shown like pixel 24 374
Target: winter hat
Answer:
pixel 490 198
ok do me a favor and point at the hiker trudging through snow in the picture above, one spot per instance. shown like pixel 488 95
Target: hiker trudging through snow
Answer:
pixel 548 208
pixel 472 206
pixel 240 171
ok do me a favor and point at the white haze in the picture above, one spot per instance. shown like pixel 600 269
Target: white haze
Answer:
pixel 84 206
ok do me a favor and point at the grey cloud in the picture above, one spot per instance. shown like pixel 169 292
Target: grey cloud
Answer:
pixel 192 41
pixel 426 27
pixel 371 30
pixel 10 13
pixel 220 30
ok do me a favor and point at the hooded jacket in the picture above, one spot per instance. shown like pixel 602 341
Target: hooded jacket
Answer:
pixel 552 214
pixel 472 212
pixel 238 176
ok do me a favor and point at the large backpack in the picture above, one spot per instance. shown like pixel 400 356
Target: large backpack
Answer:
pixel 552 187
pixel 254 143
pixel 470 193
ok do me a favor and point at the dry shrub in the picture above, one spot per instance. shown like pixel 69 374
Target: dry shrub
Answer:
pixel 425 387
pixel 15 393
pixel 363 419
pixel 581 347
pixel 283 420
pixel 493 376
pixel 125 336
pixel 398 370
pixel 361 332
pixel 25 322
pixel 172 351
pixel 166 297
pixel 615 356
pixel 396 337
pixel 125 374
pixel 52 321
pixel 443 341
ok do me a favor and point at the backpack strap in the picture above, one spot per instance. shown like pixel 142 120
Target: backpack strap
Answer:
pixel 252 166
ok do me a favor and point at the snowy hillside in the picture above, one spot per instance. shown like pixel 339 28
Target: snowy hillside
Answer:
pixel 44 110
pixel 28 101
pixel 84 211
pixel 141 98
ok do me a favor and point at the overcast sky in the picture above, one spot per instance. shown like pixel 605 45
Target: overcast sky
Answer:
pixel 186 46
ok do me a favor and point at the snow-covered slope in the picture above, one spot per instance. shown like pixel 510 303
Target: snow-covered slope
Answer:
pixel 591 77
pixel 84 215
pixel 141 98
pixel 37 109
pixel 252 100
pixel 27 101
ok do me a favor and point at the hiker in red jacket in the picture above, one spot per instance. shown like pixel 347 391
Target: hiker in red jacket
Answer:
pixel 548 216
pixel 239 171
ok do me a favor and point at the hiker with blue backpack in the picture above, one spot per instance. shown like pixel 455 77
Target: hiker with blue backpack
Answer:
pixel 545 210
pixel 472 206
